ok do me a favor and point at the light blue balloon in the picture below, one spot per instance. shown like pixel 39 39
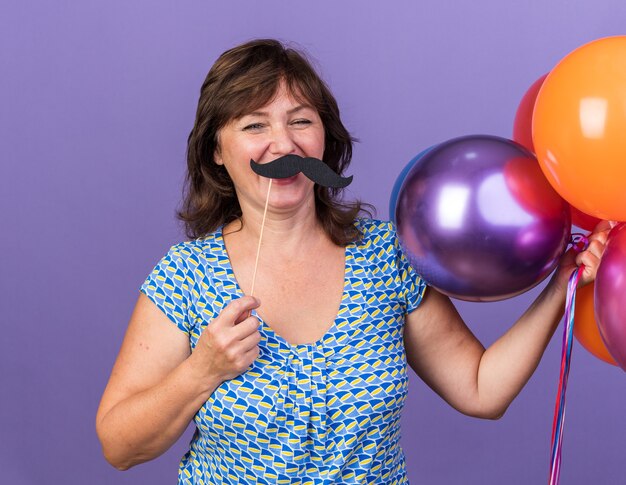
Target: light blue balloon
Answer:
pixel 393 200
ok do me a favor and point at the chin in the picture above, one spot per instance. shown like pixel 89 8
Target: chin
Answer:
pixel 286 201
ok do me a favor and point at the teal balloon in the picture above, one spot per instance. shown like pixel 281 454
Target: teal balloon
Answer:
pixel 393 200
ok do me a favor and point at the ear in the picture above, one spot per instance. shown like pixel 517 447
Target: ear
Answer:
pixel 217 156
pixel 217 153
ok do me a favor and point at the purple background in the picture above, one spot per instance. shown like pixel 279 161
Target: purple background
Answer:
pixel 97 99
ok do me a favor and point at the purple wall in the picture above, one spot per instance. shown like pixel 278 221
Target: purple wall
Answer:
pixel 97 101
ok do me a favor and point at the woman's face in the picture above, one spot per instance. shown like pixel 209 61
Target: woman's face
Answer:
pixel 283 126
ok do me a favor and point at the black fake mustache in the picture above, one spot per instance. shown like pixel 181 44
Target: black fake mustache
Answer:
pixel 290 165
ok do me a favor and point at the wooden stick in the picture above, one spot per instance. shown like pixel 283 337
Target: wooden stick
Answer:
pixel 258 249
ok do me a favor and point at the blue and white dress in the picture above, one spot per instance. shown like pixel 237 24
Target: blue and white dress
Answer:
pixel 321 413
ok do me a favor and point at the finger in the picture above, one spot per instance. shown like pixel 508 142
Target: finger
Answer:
pixel 233 312
pixel 603 226
pixel 596 247
pixel 589 259
pixel 599 233
pixel 244 351
pixel 600 237
pixel 251 341
pixel 247 327
pixel 252 354
pixel 242 316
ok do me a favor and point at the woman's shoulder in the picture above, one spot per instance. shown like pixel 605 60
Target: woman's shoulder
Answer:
pixel 376 231
pixel 193 249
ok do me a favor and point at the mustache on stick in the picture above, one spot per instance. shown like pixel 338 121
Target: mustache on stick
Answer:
pixel 290 165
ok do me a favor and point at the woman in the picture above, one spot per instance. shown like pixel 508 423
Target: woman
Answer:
pixel 307 379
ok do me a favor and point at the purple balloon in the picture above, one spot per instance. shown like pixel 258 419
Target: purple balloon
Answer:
pixel 609 298
pixel 478 220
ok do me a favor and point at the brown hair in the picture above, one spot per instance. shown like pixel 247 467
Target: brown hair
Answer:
pixel 242 80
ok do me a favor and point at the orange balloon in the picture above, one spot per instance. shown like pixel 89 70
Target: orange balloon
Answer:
pixel 585 326
pixel 579 128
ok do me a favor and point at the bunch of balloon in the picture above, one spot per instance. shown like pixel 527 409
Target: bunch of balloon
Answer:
pixel 522 134
pixel 478 220
pixel 578 128
pixel 586 329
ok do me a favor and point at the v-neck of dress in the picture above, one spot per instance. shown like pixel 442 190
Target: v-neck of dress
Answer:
pixel 266 326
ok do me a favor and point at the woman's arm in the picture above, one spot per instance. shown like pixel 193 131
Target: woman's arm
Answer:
pixel 478 382
pixel 157 385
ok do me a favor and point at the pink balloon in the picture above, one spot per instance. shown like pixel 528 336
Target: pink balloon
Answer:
pixel 610 295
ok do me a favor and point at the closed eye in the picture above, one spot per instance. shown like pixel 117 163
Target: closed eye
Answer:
pixel 253 126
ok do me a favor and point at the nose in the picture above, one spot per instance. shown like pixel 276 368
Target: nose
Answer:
pixel 282 142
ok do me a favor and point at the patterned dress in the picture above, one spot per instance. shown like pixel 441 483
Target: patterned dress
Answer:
pixel 321 413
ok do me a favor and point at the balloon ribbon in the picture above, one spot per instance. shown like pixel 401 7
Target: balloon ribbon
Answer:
pixel 579 242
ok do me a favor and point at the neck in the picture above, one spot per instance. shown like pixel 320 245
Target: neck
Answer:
pixel 287 232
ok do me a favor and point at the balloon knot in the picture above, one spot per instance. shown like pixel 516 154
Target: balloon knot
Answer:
pixel 579 242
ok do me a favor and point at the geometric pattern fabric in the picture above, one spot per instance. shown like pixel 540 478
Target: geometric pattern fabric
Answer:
pixel 321 413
